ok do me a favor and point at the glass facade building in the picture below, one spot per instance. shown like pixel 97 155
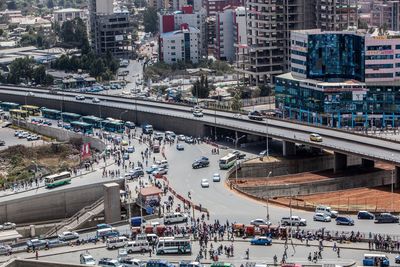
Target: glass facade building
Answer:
pixel 341 79
pixel 335 56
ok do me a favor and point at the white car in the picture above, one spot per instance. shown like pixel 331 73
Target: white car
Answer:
pixel 321 217
pixel 79 97
pixel 258 222
pixel 68 236
pixel 216 177
pixel 205 183
pixel 8 226
pixel 181 137
pixel 197 113
pixel 96 100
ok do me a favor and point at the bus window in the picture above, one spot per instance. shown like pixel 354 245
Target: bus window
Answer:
pixel 32 110
pixel 19 114
pixel 82 127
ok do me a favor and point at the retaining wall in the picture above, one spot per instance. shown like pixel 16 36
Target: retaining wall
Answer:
pixel 373 179
pixel 291 166
pixel 52 205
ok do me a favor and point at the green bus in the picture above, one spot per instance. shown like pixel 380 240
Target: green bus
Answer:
pixel 52 114
pixel 68 117
pixel 113 126
pixel 221 264
pixel 82 127
pixel 6 106
pixel 57 179
pixel 227 161
pixel 93 120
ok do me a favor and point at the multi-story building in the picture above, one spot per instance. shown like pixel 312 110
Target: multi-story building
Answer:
pixel 62 15
pixel 269 23
pixel 180 46
pixel 386 14
pixel 230 31
pixel 210 34
pixel 214 6
pixel 335 15
pixel 178 4
pixel 342 78
pixel 172 21
pixel 110 29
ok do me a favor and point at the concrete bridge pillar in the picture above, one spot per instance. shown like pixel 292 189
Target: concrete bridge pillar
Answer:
pixel 288 148
pixel 367 163
pixel 112 203
pixel 340 162
pixel 396 178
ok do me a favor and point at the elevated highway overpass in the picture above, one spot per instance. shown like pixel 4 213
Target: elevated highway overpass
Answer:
pixel 179 118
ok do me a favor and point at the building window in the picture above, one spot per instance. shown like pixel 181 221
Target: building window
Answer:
pixel 379 57
pixel 379 75
pixel 379 66
pixel 379 47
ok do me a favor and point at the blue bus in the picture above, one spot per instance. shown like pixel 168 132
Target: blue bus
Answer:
pixel 6 106
pixel 82 127
pixel 68 117
pixel 52 114
pixel 93 120
pixel 113 126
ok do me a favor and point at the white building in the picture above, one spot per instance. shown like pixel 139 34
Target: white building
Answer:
pixel 169 22
pixel 105 7
pixel 65 14
pixel 180 46
pixel 230 31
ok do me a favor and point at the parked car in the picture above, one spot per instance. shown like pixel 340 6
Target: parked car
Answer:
pixel 8 226
pixel 261 240
pixel 258 222
pixel 326 210
pixel 86 259
pixel 189 140
pixel 135 173
pixel 36 243
pixel 322 217
pixel 107 262
pixel 386 218
pixel 181 137
pixel 365 215
pixel 204 183
pixel 341 220
pixel 65 236
pixel 397 259
pixel 152 168
pixel 5 249
pixel 130 149
pixel 160 171
pixel 239 155
pixel 2 143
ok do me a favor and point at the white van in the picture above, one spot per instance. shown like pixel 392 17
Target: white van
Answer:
pixel 164 164
pixel 175 217
pixel 137 246
pixel 116 242
pixel 326 210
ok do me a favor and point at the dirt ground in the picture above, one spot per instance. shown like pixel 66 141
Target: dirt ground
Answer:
pixel 377 199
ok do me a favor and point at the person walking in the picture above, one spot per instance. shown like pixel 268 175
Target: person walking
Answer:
pixel 338 252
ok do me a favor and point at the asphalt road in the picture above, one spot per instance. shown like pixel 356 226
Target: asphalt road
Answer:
pixel 366 146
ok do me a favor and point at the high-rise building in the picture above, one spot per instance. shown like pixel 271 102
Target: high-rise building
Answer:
pixel 110 29
pixel 230 29
pixel 342 78
pixel 214 6
pixel 269 24
pixel 335 15
pixel 386 14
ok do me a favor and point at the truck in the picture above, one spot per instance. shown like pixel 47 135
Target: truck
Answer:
pixel 255 115
pixel 147 129
pixel 201 163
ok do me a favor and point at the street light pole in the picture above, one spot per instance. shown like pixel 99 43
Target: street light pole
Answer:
pixel 268 195
pixel 267 141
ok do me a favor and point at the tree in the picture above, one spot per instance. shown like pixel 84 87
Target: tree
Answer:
pixel 39 74
pixel 21 68
pixel 97 68
pixel 11 5
pixel 201 88
pixel 150 20
pixel 50 4
pixel 265 90
pixel 236 104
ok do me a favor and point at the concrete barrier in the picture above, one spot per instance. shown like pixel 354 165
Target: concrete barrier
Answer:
pixel 52 205
pixel 61 134
pixel 35 263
